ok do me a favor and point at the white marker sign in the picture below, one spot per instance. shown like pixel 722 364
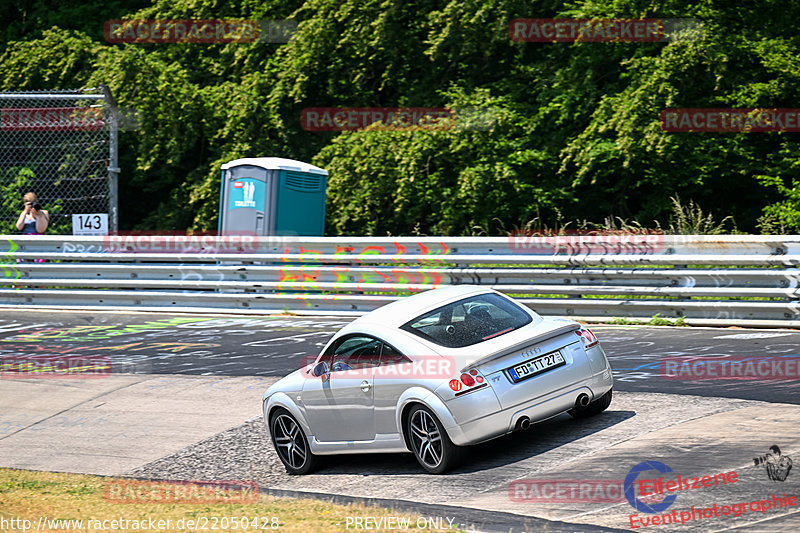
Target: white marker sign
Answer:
pixel 90 224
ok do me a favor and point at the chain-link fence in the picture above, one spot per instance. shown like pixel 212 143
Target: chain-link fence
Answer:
pixel 62 146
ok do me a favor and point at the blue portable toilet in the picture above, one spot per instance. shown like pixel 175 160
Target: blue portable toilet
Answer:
pixel 272 196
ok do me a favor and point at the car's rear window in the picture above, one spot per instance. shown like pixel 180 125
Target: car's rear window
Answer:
pixel 469 321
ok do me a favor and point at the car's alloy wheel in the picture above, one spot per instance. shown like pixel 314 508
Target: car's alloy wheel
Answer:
pixel 429 441
pixel 290 442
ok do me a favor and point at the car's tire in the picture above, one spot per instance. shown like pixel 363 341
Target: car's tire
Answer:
pixel 594 408
pixel 429 441
pixel 291 443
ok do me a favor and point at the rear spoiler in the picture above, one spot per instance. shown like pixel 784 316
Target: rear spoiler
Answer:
pixel 542 337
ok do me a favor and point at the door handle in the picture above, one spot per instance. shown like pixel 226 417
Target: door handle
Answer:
pixel 365 386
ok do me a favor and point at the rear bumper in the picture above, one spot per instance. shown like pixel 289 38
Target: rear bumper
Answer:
pixel 504 421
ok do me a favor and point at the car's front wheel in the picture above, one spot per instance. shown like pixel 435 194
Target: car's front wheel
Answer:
pixel 291 443
pixel 594 408
pixel 429 441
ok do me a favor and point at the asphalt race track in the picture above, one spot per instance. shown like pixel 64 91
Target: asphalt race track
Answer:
pixel 183 402
pixel 276 346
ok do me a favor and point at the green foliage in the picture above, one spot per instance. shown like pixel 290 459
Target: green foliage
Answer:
pixel 784 215
pixel 446 182
pixel 25 19
pixel 619 321
pixel 14 183
pixel 689 219
pixel 574 139
pixel 59 59
pixel 656 320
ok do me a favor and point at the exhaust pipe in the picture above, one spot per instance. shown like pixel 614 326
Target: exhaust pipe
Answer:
pixel 583 400
pixel 523 423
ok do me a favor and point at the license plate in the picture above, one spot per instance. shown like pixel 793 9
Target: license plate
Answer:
pixel 536 366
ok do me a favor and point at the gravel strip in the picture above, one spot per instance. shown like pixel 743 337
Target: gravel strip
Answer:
pixel 245 453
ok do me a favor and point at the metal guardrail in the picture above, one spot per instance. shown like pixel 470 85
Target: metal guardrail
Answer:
pixel 705 280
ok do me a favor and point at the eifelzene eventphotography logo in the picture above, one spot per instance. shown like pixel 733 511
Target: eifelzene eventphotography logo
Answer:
pixel 652 496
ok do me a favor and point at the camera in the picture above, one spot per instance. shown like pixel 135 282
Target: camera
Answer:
pixel 774 450
pixel 37 206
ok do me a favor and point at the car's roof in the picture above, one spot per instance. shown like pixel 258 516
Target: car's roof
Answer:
pixel 401 311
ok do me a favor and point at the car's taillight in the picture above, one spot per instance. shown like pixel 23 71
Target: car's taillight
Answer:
pixel 589 338
pixel 468 382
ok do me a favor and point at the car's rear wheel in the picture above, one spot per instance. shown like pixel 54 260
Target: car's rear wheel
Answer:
pixel 594 408
pixel 429 441
pixel 291 443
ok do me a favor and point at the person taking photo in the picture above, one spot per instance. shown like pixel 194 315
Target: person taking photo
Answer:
pixel 33 220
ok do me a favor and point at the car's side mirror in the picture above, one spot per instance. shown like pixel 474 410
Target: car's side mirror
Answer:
pixel 322 370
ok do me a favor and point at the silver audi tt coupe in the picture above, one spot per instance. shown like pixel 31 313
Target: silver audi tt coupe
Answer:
pixel 433 373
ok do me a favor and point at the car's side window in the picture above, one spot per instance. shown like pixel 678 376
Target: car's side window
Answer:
pixel 358 351
pixel 327 357
pixel 390 356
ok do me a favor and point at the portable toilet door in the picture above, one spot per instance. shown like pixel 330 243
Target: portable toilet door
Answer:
pixel 300 202
pixel 272 196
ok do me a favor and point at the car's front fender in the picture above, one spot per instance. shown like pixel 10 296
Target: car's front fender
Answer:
pixel 281 399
